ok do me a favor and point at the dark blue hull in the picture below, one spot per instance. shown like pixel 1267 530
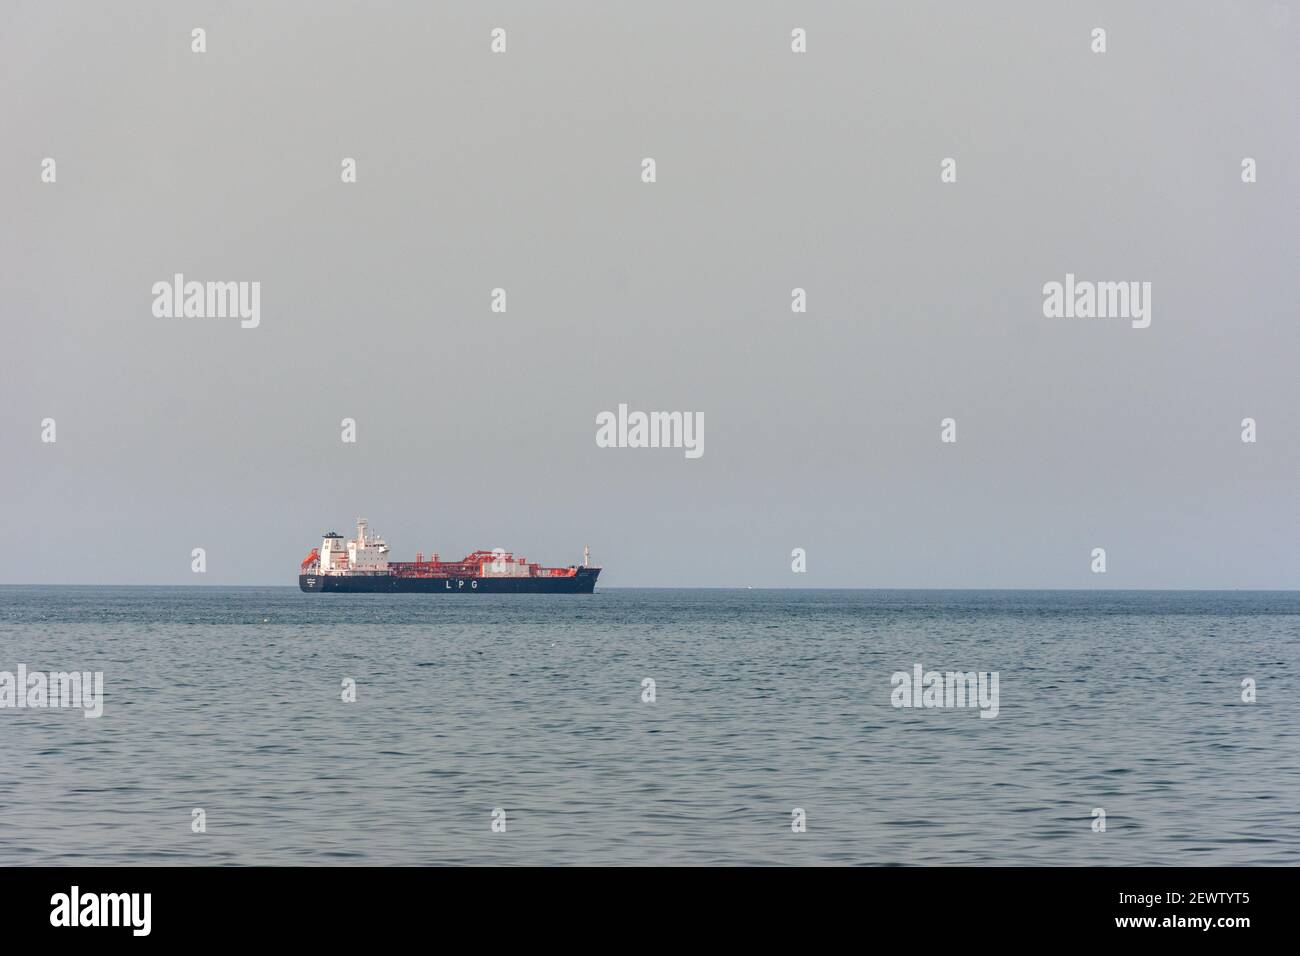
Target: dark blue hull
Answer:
pixel 584 582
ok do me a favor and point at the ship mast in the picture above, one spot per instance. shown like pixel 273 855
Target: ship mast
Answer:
pixel 586 556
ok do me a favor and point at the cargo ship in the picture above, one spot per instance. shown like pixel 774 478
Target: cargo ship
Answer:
pixel 361 564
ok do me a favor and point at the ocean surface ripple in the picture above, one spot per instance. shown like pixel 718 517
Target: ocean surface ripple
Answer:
pixel 229 700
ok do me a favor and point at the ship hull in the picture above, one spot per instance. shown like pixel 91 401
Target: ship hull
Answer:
pixel 584 582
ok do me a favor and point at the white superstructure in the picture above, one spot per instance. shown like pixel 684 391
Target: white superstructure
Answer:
pixel 367 552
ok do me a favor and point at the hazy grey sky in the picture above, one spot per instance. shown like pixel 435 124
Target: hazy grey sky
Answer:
pixel 775 170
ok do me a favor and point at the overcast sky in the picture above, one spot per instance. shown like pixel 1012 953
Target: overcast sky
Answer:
pixel 775 170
